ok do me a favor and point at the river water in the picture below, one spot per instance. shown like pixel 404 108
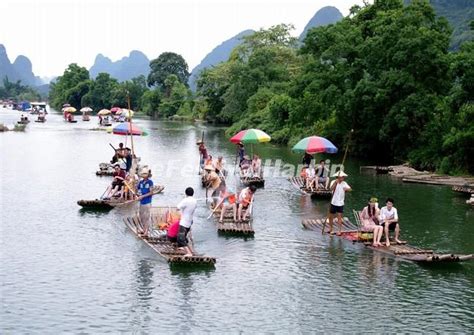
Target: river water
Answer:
pixel 67 270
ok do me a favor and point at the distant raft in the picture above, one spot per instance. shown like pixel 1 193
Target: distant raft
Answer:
pixel 105 169
pixel 404 251
pixel 232 228
pixel 320 192
pixel 100 204
pixel 466 189
pixel 158 241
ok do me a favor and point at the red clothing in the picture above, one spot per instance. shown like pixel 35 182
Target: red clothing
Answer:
pixel 173 229
pixel 121 174
pixel 203 152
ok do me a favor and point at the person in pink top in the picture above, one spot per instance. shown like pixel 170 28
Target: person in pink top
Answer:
pixel 173 232
pixel 370 222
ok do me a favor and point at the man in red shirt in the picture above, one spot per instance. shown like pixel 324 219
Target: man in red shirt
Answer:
pixel 117 183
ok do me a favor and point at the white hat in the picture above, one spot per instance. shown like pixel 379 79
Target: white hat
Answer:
pixel 144 171
pixel 339 173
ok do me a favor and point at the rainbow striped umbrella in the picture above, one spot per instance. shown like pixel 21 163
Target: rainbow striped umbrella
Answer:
pixel 125 129
pixel 251 136
pixel 314 145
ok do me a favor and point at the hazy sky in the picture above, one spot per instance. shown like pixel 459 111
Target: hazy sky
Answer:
pixel 55 33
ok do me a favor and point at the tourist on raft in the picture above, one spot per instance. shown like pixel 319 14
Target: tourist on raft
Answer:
pixel 389 221
pixel 339 188
pixel 212 180
pixel 256 166
pixel 128 159
pixel 173 230
pixel 240 152
pixel 245 167
pixel 227 199
pixel 219 166
pixel 245 202
pixel 310 178
pixel 117 182
pixel 187 206
pixel 202 153
pixel 307 158
pixel 145 189
pixel 322 175
pixel 369 218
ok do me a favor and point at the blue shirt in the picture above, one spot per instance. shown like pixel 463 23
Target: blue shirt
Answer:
pixel 144 187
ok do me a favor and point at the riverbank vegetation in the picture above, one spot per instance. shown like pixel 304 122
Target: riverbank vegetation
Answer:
pixel 385 71
pixel 17 91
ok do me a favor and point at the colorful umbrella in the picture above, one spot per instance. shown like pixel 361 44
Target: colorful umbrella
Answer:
pixel 69 110
pixel 124 129
pixel 86 109
pixel 314 145
pixel 128 113
pixel 115 109
pixel 104 112
pixel 251 136
pixel 66 105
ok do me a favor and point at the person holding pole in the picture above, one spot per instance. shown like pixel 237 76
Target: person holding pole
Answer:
pixel 145 189
pixel 187 206
pixel 339 188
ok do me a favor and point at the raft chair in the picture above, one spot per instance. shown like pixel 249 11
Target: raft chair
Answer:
pixel 362 236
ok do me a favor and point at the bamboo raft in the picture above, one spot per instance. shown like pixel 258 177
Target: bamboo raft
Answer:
pixel 298 182
pixel 105 169
pixel 377 169
pixel 99 204
pixel 158 241
pixel 231 228
pixel 463 189
pixel 404 251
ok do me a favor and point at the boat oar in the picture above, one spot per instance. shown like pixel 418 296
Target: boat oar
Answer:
pixel 139 198
pixel 215 208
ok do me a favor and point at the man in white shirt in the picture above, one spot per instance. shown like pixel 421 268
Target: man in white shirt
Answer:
pixel 339 188
pixel 389 220
pixel 187 206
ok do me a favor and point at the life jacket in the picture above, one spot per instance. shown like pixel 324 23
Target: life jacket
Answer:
pixel 245 197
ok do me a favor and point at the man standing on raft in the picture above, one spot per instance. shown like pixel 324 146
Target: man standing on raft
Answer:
pixel 339 188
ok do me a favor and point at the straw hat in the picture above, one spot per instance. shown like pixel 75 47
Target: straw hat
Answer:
pixel 373 200
pixel 209 168
pixel 339 173
pixel 144 172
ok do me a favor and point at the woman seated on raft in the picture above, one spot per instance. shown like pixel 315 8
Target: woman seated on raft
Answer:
pixel 370 222
pixel 117 183
pixel 227 199
pixel 256 166
pixel 245 166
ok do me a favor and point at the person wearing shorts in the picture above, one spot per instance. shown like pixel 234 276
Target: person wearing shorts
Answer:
pixel 187 206
pixel 339 189
pixel 389 221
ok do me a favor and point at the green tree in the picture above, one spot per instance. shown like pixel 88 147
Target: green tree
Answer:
pixel 101 92
pixel 166 64
pixel 64 89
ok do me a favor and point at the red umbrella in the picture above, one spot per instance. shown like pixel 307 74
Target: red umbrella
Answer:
pixel 115 109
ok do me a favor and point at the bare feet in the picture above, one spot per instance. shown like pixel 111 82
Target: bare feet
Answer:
pixel 188 255
pixel 387 243
pixel 399 242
